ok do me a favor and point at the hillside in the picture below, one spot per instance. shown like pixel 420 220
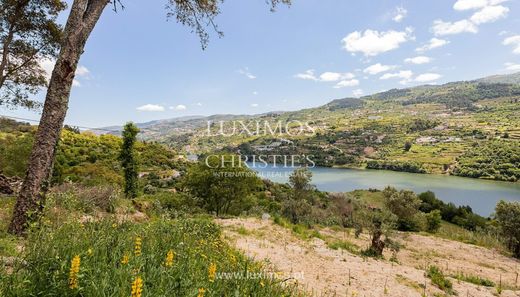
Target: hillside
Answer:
pixel 329 264
pixel 425 129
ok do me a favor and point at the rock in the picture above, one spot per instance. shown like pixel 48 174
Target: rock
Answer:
pixel 266 216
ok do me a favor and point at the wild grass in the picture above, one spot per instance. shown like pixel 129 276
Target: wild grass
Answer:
pixel 474 279
pixel 480 238
pixel 344 245
pixel 162 258
pixel 439 279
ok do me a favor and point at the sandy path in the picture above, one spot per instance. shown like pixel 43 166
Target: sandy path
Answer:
pixel 325 272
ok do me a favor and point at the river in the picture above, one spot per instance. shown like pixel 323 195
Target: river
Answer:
pixel 481 195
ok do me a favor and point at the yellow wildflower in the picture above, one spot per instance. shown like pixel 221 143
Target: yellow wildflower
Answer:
pixel 89 251
pixel 74 271
pixel 169 259
pixel 201 292
pixel 262 284
pixel 138 244
pixel 212 272
pixel 137 287
pixel 125 259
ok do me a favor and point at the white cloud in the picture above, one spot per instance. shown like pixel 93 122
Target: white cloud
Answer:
pixel 400 14
pixel 489 14
pixel 198 104
pixel 325 76
pixel 347 83
pixel 426 77
pixel 377 68
pixel 418 60
pixel 514 41
pixel 373 43
pixel 433 43
pixel 469 4
pixel 246 73
pixel 405 74
pixel 512 67
pixel 307 75
pixel 48 66
pixel 335 76
pixel 180 107
pixel 475 4
pixel 441 28
pixel 82 71
pixel 150 107
pixel 357 92
pixel 255 93
pixel 254 105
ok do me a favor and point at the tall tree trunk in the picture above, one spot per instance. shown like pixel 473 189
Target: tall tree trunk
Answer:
pixel 83 17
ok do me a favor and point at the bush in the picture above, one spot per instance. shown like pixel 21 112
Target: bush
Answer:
pixel 82 198
pixel 433 221
pixel 438 279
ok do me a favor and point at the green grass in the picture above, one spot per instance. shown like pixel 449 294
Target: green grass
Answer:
pixel 437 277
pixel 344 245
pixel 454 232
pixel 477 280
pixel 101 246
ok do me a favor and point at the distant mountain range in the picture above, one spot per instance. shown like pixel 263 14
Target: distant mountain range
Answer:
pixel 462 94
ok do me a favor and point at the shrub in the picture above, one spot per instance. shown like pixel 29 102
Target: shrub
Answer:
pixel 438 279
pixel 433 221
pixel 82 198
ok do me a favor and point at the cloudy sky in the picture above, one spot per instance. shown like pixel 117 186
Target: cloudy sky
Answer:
pixel 138 66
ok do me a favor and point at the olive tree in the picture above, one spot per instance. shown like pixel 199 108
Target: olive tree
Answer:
pixel 507 215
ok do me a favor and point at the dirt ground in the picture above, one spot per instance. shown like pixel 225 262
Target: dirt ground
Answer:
pixel 322 271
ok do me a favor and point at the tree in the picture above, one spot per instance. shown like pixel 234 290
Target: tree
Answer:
pixel 83 16
pixel 128 159
pixel 405 205
pixel 300 181
pixel 221 187
pixel 407 146
pixel 380 224
pixel 30 36
pixel 507 215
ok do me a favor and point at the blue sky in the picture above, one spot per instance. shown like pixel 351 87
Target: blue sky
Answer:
pixel 139 67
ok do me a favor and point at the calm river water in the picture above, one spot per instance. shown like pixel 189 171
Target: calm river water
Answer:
pixel 481 195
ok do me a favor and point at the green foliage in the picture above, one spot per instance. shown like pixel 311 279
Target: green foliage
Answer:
pixel 84 199
pixel 102 246
pixel 30 35
pixel 461 215
pixel 438 279
pixel 300 180
pixel 344 245
pixel 407 166
pixel 433 221
pixel 223 187
pixel 405 205
pixel 497 159
pixel 82 158
pixel 128 160
pixel 15 150
pixel 507 215
pixel 380 224
pixel 477 280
